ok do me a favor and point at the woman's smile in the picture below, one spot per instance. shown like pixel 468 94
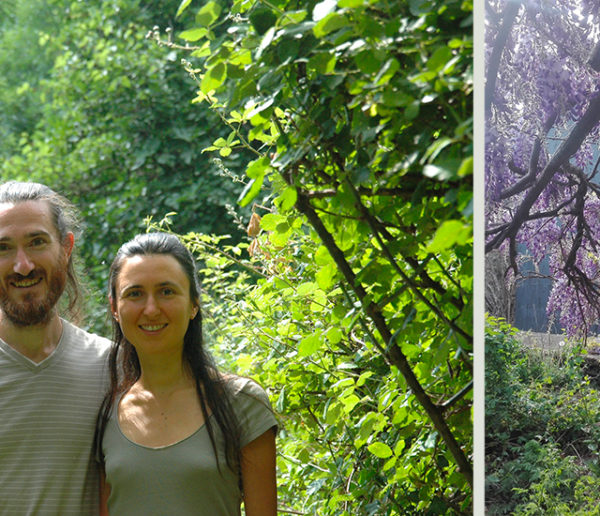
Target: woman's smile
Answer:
pixel 153 301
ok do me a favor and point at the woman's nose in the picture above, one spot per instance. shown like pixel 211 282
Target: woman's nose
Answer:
pixel 151 306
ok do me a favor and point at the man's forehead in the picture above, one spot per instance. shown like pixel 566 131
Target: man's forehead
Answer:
pixel 25 218
pixel 40 206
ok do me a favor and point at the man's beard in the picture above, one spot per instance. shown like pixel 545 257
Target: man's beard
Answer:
pixel 31 312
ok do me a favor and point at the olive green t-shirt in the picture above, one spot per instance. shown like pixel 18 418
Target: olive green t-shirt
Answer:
pixel 182 478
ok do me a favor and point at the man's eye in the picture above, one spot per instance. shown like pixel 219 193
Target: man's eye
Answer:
pixel 133 293
pixel 36 242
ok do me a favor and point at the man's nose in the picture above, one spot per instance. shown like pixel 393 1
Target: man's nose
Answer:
pixel 23 264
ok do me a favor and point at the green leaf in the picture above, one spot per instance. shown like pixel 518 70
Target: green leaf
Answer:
pixel 342 384
pixel 280 239
pixel 380 450
pixel 334 335
pixel 412 110
pixel 262 19
pixel 388 70
pixel 270 221
pixel 322 256
pixel 352 4
pixel 309 345
pixel 258 167
pixel 182 7
pixel 435 148
pixel 325 276
pixel 250 191
pixel 363 378
pixel 466 167
pixel 331 22
pixel 208 14
pixel 193 34
pixel 350 402
pixel 368 62
pixel 203 51
pixel 305 289
pixel 419 7
pixel 431 440
pixel 287 199
pixel 399 447
pixel 319 302
pixel 449 234
pixel 439 58
pixel 333 412
pixel 322 63
pixel 280 403
pixel 213 78
pixel 389 464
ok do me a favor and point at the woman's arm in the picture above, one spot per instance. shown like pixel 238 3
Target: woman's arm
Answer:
pixel 258 476
pixel 104 494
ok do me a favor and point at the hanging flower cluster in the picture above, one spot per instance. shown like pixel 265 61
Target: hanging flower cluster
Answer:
pixel 542 154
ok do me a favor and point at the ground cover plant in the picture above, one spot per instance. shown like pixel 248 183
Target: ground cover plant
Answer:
pixel 542 432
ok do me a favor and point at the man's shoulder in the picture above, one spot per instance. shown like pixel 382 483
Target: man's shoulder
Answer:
pixel 85 340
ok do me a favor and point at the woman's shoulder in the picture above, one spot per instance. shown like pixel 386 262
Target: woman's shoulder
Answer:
pixel 242 385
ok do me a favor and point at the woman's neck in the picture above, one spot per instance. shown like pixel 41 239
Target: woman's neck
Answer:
pixel 161 375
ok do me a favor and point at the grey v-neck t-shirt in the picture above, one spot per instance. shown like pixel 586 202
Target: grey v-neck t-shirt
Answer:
pixel 182 478
pixel 47 420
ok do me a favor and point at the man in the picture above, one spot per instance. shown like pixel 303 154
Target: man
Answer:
pixel 52 374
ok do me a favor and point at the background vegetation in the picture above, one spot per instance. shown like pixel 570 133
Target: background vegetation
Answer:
pixel 542 429
pixel 92 108
pixel 344 130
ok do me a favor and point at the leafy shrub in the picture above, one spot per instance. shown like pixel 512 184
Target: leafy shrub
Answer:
pixel 541 428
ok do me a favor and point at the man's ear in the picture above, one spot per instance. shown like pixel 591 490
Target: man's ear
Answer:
pixel 68 244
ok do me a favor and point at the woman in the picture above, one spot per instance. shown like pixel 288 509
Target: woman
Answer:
pixel 174 435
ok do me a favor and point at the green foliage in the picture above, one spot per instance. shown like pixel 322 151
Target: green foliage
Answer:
pixel 541 429
pixel 114 130
pixel 352 300
pixel 26 56
pixel 355 305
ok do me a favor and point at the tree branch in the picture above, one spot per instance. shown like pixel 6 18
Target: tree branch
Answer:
pixel 395 354
pixel 508 18
pixel 570 146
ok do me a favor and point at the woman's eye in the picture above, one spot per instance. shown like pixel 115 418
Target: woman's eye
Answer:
pixel 167 291
pixel 36 242
pixel 133 293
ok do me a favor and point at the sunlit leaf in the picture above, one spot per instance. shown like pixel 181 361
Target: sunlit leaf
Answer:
pixel 330 23
pixel 208 14
pixel 380 450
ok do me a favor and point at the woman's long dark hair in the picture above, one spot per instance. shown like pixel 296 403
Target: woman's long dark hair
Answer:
pixel 124 365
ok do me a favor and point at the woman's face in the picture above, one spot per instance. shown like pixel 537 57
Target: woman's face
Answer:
pixel 153 304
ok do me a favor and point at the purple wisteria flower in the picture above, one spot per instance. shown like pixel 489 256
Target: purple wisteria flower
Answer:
pixel 542 146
